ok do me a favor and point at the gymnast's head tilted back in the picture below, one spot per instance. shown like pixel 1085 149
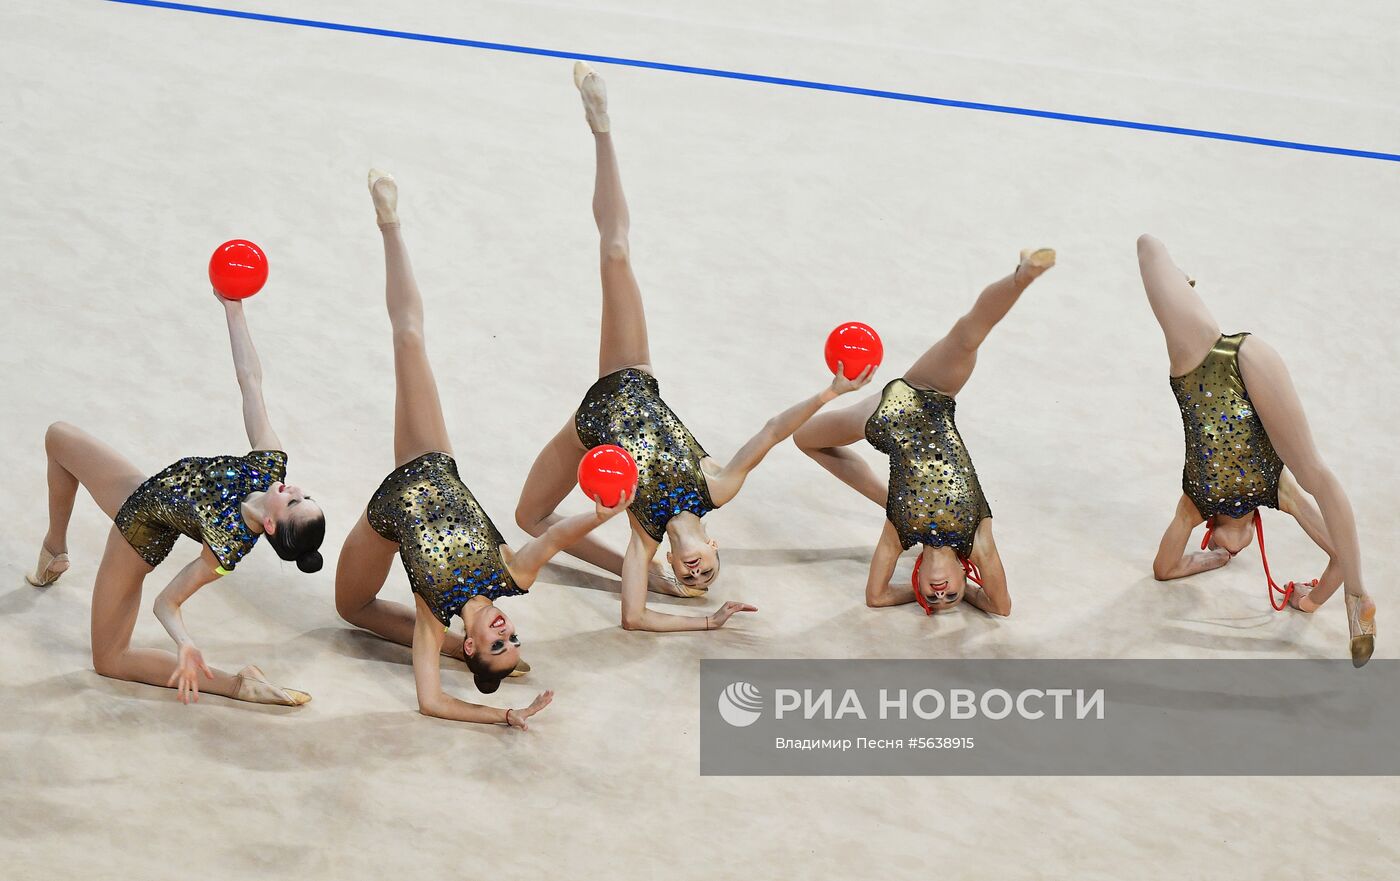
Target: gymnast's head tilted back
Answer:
pixel 491 647
pixel 294 525
pixel 940 579
pixel 692 555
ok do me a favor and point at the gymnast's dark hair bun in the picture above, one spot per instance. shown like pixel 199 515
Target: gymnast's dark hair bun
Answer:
pixel 487 683
pixel 300 540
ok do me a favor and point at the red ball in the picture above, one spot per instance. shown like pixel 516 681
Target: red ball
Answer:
pixel 856 346
pixel 608 472
pixel 238 269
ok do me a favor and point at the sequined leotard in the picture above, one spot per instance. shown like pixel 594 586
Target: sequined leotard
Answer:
pixel 1231 467
pixel 625 408
pixel 449 547
pixel 935 498
pixel 203 499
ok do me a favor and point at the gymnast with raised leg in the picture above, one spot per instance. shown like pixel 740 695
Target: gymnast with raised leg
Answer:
pixel 679 483
pixel 1248 446
pixel 932 496
pixel 457 562
pixel 223 502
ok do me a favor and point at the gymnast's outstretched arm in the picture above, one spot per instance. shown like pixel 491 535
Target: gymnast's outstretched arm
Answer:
pixel 725 485
pixel 249 371
pixel 428 636
pixel 189 660
pixel 636 615
pixel 527 562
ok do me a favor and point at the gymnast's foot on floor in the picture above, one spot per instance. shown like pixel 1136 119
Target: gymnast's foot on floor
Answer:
pixel 1034 262
pixel 1361 621
pixel 252 686
pixel 385 192
pixel 595 97
pixel 51 565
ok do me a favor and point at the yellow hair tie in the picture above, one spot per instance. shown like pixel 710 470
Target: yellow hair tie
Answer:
pixel 220 570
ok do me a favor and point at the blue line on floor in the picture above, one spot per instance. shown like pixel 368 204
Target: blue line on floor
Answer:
pixel 772 80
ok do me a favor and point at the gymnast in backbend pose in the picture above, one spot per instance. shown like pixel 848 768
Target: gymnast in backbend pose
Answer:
pixel 679 482
pixel 223 502
pixel 457 562
pixel 1248 446
pixel 932 497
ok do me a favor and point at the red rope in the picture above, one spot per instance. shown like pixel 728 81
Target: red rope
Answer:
pixel 1278 596
pixel 1287 590
pixel 970 570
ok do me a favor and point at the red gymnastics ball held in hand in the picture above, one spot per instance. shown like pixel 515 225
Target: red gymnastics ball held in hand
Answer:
pixel 854 346
pixel 608 472
pixel 238 269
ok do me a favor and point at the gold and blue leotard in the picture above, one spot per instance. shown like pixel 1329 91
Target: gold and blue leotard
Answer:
pixel 202 498
pixel 935 498
pixel 1231 466
pixel 625 408
pixel 449 547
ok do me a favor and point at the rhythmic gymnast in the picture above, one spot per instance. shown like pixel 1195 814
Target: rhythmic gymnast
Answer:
pixel 223 502
pixel 679 482
pixel 1248 446
pixel 932 497
pixel 457 562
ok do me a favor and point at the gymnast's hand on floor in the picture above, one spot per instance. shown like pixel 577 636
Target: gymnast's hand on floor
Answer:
pixel 716 620
pixel 186 675
pixel 1196 562
pixel 1300 600
pixel 516 718
pixel 1213 558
